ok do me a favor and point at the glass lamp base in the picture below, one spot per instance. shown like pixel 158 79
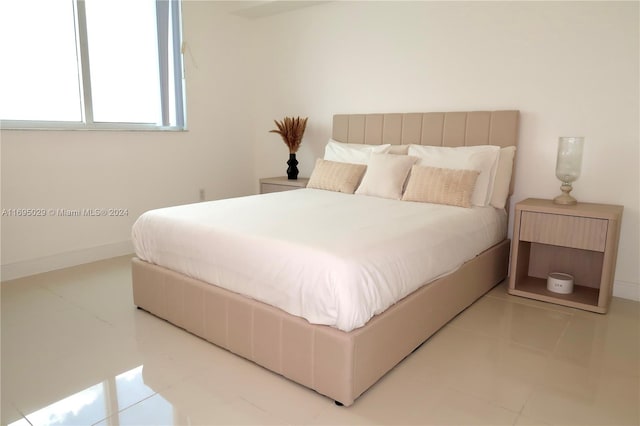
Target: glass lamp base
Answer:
pixel 564 198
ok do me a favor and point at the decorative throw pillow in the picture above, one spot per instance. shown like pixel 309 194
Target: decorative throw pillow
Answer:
pixel 353 153
pixel 398 149
pixel 441 186
pixel 336 176
pixel 503 177
pixel 386 175
pixel 483 158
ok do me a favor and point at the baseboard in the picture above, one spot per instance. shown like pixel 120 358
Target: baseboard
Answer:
pixel 25 268
pixel 626 290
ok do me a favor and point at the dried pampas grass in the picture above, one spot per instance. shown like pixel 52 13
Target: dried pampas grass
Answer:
pixel 291 129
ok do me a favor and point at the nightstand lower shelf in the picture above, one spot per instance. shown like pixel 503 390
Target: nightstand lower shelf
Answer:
pixel 536 288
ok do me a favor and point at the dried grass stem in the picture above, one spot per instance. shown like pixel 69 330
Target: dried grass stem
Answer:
pixel 291 129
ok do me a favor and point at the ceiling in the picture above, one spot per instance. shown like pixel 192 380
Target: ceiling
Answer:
pixel 262 9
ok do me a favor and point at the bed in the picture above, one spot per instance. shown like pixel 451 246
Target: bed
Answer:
pixel 343 359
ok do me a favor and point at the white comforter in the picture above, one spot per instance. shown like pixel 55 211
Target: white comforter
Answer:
pixel 332 258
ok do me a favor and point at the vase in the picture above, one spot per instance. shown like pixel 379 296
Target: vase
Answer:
pixel 568 167
pixel 292 170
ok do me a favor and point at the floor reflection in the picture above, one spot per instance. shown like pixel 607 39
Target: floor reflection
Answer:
pixel 102 401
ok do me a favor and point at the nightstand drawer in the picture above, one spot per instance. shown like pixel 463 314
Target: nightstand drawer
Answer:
pixel 568 231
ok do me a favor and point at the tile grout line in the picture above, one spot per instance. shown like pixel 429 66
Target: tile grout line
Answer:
pixel 117 413
pixel 538 385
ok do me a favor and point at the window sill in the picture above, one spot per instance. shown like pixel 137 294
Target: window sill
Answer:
pixel 113 127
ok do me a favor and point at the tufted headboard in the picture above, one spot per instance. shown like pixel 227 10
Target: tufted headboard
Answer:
pixel 430 128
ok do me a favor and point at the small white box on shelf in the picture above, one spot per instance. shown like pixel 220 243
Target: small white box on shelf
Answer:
pixel 559 282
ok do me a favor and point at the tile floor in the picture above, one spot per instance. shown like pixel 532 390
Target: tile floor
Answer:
pixel 75 351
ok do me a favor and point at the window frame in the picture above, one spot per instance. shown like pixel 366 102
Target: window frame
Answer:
pixel 168 12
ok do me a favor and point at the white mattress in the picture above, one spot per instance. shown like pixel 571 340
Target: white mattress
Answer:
pixel 332 258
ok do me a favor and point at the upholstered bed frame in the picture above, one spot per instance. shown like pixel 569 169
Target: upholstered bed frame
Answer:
pixel 334 363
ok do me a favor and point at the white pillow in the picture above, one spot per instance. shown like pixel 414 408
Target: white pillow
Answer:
pixel 398 149
pixel 385 175
pixel 353 153
pixel 502 182
pixel 483 158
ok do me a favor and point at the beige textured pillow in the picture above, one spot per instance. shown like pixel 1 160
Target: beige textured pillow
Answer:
pixel 441 186
pixel 336 176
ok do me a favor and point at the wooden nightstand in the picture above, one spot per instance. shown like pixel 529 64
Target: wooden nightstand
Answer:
pixel 281 183
pixel 580 240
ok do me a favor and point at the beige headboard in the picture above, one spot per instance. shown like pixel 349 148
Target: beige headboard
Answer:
pixel 429 128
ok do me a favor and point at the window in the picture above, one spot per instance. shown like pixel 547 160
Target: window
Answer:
pixel 105 64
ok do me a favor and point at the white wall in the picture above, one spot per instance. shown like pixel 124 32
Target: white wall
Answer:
pixel 134 170
pixel 570 68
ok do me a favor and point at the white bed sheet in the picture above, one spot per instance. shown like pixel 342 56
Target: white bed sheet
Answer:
pixel 332 258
